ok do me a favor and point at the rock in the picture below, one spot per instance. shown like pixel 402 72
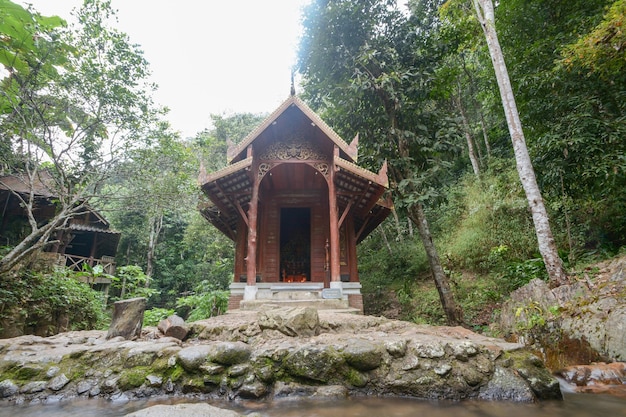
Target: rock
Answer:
pixel 537 376
pixel 396 348
pixel 192 357
pixel 506 385
pixel 230 353
pixel 109 385
pixel 573 324
pixel 187 410
pixel 317 363
pixel 254 390
pixel 58 382
pixel 331 391
pixel 154 380
pixel 52 371
pixel 84 386
pixel 8 388
pixel 34 386
pixel 595 374
pixel 173 326
pixel 127 318
pixel 354 355
pixel 296 321
pixel 363 355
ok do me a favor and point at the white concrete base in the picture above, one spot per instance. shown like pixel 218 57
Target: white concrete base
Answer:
pixel 249 292
pixel 338 285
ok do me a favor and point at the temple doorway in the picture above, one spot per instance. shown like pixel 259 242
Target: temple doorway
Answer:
pixel 295 244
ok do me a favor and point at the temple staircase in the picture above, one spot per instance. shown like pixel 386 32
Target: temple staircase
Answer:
pixel 311 294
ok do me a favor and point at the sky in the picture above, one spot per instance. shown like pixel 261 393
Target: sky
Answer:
pixel 209 56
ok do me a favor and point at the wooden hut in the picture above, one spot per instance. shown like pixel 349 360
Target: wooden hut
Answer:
pixel 296 205
pixel 87 238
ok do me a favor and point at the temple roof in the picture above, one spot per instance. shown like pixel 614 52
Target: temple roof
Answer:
pixel 359 191
pixel 350 150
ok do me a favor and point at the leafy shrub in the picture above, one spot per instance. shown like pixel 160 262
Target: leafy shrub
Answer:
pixel 518 274
pixel 44 302
pixel 130 282
pixel 206 302
pixel 380 269
pixel 153 316
pixel 421 304
pixel 480 215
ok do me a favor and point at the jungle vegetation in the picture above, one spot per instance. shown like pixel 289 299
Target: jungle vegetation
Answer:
pixel 418 85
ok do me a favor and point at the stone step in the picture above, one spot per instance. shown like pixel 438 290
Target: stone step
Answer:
pixel 319 304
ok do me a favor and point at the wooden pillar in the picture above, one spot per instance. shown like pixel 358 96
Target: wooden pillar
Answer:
pixel 92 253
pixel 335 274
pixel 252 230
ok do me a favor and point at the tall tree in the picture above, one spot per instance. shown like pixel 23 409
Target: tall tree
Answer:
pixel 573 115
pixel 74 122
pixel 156 207
pixel 367 66
pixel 547 246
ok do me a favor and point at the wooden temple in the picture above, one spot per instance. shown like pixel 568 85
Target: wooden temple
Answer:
pixel 296 205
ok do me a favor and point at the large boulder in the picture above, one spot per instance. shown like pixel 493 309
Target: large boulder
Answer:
pixel 291 321
pixel 578 323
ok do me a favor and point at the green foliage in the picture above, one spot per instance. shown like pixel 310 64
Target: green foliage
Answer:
pixel 131 282
pixel 26 39
pixel 82 102
pixel 378 268
pixel 533 317
pixel 421 304
pixel 603 49
pixel 518 274
pixel 477 216
pixel 153 316
pixel 44 302
pixel 206 302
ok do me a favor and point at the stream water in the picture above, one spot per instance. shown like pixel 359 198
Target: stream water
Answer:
pixel 574 405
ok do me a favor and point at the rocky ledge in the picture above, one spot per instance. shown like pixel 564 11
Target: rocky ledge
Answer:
pixel 276 353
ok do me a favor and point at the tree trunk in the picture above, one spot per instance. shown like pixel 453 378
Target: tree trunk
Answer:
pixel 155 230
pixel 485 136
pixel 127 318
pixel 468 136
pixel 454 314
pixel 398 227
pixel 384 235
pixel 173 326
pixel 545 239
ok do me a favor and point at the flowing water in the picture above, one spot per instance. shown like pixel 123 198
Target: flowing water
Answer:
pixel 574 405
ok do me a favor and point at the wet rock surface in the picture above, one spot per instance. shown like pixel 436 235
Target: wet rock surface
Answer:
pixel 187 410
pixel 240 356
pixel 579 323
pixel 597 378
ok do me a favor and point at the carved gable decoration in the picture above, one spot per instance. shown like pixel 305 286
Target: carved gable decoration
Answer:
pixel 295 148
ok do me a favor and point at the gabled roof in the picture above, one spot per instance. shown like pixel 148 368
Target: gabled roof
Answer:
pixel 359 191
pixel 293 101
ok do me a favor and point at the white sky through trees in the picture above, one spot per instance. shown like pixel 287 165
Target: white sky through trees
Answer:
pixel 209 56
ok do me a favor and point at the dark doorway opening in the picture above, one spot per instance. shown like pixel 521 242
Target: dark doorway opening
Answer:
pixel 295 244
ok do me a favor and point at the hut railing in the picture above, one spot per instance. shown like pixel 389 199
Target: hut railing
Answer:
pixel 75 263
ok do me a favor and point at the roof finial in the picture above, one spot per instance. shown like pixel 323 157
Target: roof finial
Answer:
pixel 293 86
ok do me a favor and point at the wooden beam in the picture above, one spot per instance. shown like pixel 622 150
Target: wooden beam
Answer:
pixel 234 202
pixel 345 212
pixel 367 220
